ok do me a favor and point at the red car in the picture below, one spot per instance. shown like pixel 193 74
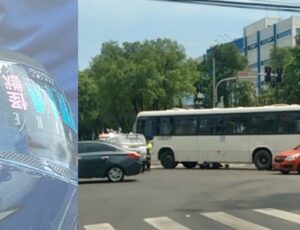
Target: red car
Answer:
pixel 287 161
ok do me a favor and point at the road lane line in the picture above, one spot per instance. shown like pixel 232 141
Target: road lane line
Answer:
pixel 280 214
pixel 104 226
pixel 165 223
pixel 232 221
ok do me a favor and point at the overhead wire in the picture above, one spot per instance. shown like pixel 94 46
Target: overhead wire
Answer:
pixel 252 4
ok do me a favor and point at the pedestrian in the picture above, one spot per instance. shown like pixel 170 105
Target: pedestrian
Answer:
pixel 148 157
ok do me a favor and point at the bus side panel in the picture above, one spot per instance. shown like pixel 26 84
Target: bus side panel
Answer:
pixel 185 148
pixel 236 149
pixel 275 143
pixel 208 148
pixel 223 148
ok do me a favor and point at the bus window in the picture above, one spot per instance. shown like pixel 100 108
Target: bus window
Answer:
pixel 263 123
pixel 285 123
pixel 295 120
pixel 164 126
pixel 185 125
pixel 145 126
pixel 211 125
pixel 236 124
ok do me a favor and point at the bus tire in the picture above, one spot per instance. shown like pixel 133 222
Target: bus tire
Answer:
pixel 263 160
pixel 189 164
pixel 167 160
pixel 298 169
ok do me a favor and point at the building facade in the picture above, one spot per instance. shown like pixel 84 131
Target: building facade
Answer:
pixel 262 36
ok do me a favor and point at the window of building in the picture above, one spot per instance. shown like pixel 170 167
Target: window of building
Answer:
pixel 253 46
pixel 284 34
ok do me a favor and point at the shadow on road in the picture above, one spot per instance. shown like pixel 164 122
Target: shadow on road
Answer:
pixel 102 181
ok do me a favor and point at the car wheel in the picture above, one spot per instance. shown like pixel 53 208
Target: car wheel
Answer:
pixel 263 160
pixel 115 174
pixel 189 165
pixel 285 172
pixel 167 160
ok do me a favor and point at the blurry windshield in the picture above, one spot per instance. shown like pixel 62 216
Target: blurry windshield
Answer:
pixel 35 116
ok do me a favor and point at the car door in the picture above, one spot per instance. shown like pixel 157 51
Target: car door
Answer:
pixel 82 162
pixel 92 162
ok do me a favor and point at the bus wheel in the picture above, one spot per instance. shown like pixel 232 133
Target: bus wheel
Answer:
pixel 262 160
pixel 167 160
pixel 298 169
pixel 284 172
pixel 190 164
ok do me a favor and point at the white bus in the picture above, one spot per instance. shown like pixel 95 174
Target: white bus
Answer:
pixel 230 135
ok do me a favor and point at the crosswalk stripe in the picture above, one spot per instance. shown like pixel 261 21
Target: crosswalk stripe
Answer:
pixel 104 226
pixel 165 223
pixel 280 214
pixel 232 221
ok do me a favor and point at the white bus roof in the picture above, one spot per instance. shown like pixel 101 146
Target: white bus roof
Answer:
pixel 268 108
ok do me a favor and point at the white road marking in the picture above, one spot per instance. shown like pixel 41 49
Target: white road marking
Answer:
pixel 232 221
pixel 280 214
pixel 104 226
pixel 165 223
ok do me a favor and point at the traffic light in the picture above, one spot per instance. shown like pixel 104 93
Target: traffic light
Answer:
pixel 279 75
pixel 299 82
pixel 268 71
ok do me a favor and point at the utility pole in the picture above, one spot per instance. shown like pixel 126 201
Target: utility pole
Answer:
pixel 214 82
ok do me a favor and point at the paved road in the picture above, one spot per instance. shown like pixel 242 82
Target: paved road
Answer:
pixel 183 199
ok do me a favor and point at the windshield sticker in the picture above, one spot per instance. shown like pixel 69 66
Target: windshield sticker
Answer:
pixel 14 90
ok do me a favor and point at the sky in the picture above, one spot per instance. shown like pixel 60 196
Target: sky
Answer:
pixel 196 27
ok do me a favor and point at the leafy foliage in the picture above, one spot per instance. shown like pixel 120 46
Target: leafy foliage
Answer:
pixel 228 61
pixel 288 91
pixel 137 76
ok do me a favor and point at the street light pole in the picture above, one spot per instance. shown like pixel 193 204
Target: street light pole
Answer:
pixel 249 77
pixel 223 80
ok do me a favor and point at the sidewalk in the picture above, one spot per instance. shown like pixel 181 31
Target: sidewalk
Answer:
pixel 155 164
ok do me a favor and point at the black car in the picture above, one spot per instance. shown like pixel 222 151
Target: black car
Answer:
pixel 98 159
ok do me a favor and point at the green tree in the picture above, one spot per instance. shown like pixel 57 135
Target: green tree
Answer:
pixel 228 61
pixel 288 91
pixel 88 105
pixel 137 76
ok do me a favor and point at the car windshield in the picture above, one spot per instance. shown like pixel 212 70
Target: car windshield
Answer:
pixel 38 123
pixel 132 140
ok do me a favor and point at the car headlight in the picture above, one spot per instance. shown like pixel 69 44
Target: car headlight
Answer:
pixel 292 157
